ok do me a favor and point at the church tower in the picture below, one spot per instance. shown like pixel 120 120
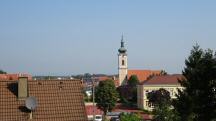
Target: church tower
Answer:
pixel 122 63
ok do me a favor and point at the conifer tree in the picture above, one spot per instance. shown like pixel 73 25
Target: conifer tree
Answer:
pixel 197 101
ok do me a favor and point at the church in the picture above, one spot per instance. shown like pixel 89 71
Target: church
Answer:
pixel 124 73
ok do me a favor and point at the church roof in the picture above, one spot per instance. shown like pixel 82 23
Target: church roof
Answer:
pixel 58 100
pixel 142 75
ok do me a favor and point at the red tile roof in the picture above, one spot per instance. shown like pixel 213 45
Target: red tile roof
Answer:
pixel 102 78
pixel 165 79
pixel 90 109
pixel 142 75
pixel 57 100
pixel 14 76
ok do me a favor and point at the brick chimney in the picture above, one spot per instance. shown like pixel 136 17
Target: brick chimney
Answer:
pixel 22 88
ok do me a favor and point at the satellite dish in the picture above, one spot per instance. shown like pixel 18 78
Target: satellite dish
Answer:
pixel 31 103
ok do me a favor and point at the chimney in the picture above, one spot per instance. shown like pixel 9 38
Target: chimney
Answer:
pixel 22 88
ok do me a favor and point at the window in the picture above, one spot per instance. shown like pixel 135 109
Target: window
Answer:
pixel 123 63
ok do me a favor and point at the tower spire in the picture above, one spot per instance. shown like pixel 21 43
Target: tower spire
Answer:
pixel 122 63
pixel 122 48
pixel 122 41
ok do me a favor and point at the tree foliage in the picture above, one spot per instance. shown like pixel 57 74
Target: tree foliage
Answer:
pixel 164 113
pixel 128 93
pixel 161 101
pixel 133 81
pixel 106 95
pixel 2 72
pixel 130 117
pixel 159 97
pixel 197 102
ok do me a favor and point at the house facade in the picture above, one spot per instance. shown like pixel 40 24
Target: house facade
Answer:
pixel 167 82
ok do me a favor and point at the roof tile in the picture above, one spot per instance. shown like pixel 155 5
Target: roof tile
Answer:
pixel 59 100
pixel 164 79
pixel 142 75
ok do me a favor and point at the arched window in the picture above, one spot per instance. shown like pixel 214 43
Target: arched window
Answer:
pixel 123 63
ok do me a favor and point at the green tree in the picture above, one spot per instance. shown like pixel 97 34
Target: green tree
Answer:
pixel 159 97
pixel 197 101
pixel 164 113
pixel 87 75
pixel 106 95
pixel 133 81
pixel 128 93
pixel 163 72
pixel 130 117
pixel 2 72
pixel 162 105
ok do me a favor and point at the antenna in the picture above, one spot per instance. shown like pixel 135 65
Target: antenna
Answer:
pixel 31 104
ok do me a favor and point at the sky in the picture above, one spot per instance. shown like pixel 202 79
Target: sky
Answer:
pixel 65 37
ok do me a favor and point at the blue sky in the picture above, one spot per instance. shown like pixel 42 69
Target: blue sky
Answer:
pixel 48 37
